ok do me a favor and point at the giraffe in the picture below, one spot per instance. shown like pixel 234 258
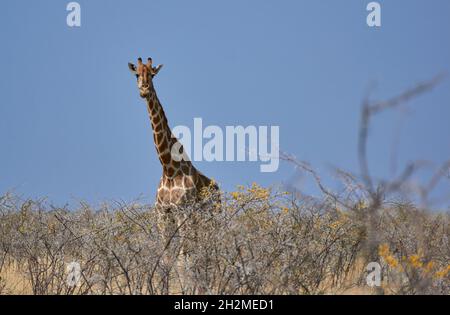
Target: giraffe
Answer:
pixel 181 183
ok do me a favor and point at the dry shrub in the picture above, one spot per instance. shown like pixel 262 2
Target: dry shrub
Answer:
pixel 256 241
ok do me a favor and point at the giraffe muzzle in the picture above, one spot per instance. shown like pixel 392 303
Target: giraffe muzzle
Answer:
pixel 144 92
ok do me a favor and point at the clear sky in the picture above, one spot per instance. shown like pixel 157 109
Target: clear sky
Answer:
pixel 72 125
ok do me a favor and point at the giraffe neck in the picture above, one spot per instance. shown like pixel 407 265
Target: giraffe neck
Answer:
pixel 162 135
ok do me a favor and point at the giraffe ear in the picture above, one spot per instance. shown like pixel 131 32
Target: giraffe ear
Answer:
pixel 132 68
pixel 158 68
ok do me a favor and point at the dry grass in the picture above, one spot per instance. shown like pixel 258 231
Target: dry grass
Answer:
pixel 13 281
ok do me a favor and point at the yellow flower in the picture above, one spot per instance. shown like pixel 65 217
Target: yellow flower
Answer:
pixel 414 260
pixel 235 195
pixel 334 225
pixel 259 192
pixel 383 250
pixel 385 253
pixel 429 266
pixel 391 261
pixel 442 273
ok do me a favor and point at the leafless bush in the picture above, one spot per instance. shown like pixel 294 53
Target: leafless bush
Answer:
pixel 256 241
pixel 410 240
pixel 260 242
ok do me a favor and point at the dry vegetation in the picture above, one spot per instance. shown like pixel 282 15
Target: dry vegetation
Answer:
pixel 257 241
pixel 261 243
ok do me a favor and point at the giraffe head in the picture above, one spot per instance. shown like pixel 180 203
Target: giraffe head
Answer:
pixel 144 74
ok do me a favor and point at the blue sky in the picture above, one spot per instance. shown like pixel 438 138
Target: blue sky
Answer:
pixel 72 125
